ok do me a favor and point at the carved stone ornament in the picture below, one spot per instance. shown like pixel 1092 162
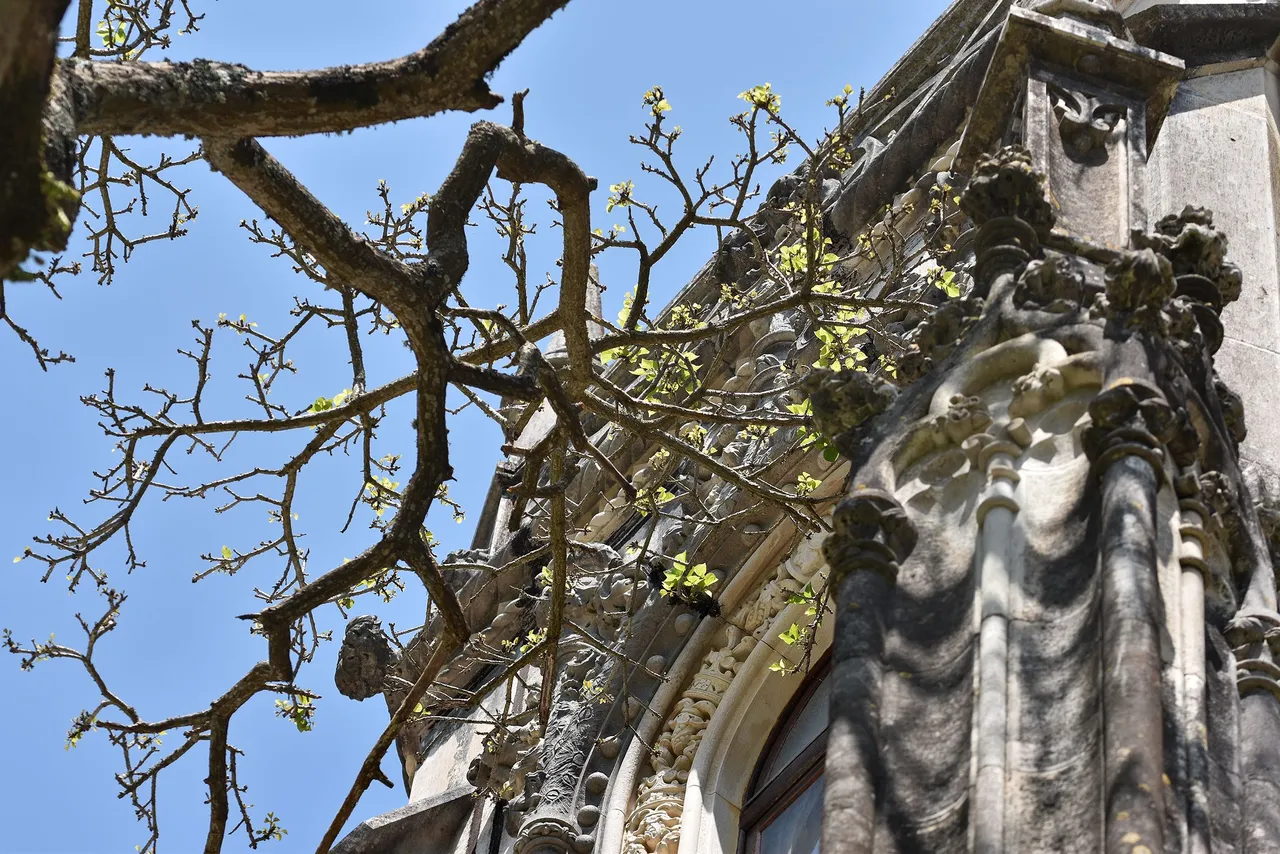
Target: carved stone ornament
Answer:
pixel 872 533
pixel 1254 635
pixel 844 400
pixel 1037 391
pixel 1138 284
pixel 1131 418
pixel 509 756
pixel 935 337
pixel 1052 283
pixel 1006 184
pixel 1085 121
pixel 654 824
pixel 1197 251
pixel 965 416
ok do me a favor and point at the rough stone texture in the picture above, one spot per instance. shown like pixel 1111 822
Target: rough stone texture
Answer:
pixel 429 824
pixel 365 659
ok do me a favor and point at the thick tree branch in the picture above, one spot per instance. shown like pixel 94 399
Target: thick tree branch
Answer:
pixel 204 98
pixel 30 201
pixel 343 253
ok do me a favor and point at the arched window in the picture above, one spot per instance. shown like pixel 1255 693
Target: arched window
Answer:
pixel 783 812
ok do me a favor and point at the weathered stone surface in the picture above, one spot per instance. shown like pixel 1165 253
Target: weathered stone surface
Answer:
pixel 365 659
pixel 429 824
pixel 1218 145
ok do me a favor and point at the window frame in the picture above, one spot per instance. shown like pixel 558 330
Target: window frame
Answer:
pixel 764 804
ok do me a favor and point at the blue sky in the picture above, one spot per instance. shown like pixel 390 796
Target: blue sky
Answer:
pixel 178 645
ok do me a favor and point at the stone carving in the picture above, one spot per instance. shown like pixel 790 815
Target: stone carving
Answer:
pixel 1130 418
pixel 654 824
pixel 1232 409
pixel 509 756
pixel 936 336
pixel 1254 635
pixel 844 400
pixel 1005 184
pixel 965 416
pixel 1053 284
pixel 1138 284
pixel 872 532
pixel 365 659
pixel 1205 280
pixel 1085 121
pixel 1036 391
pixel 1196 249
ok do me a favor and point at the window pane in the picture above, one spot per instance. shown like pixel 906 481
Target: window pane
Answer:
pixel 798 828
pixel 808 725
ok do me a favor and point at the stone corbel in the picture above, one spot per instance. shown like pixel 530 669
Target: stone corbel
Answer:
pixel 1092 103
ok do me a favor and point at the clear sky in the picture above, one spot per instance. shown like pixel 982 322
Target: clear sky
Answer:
pixel 178 645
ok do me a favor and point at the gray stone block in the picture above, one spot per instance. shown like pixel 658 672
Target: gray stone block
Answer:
pixel 1216 149
pixel 1252 373
pixel 429 825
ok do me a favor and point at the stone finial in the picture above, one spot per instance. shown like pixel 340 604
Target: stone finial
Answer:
pixel 872 533
pixel 1006 184
pixel 844 400
pixel 1197 251
pixel 365 659
pixel 1138 284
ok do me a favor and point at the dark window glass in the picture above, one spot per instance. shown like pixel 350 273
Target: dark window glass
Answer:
pixel 783 812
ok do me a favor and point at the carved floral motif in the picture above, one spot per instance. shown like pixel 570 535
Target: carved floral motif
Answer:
pixel 1053 283
pixel 1085 121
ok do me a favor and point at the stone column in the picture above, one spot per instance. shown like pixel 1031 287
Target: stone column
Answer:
pixel 1254 634
pixel 995 515
pixel 1129 463
pixel 1194 724
pixel 872 536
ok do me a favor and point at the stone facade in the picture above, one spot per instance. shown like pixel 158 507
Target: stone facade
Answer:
pixel 1051 568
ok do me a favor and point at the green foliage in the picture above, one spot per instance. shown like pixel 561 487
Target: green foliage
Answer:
pixel 657 102
pixel 944 280
pixel 299 709
pixel 619 196
pixel 763 98
pixel 793 635
pixel 324 404
pixel 806 483
pixel 685 579
pixel 113 36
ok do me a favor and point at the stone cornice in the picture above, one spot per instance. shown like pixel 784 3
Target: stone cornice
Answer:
pixel 1208 33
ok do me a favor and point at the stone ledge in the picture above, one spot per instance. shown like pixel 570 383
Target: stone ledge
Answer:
pixel 422 827
pixel 1208 33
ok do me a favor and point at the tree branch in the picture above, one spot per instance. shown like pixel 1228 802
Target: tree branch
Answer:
pixel 204 98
